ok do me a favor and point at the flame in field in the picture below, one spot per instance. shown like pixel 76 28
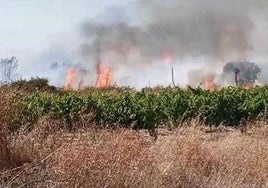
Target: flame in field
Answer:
pixel 167 59
pixel 70 77
pixel 104 73
pixel 209 83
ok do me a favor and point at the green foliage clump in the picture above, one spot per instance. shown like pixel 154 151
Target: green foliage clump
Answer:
pixel 147 108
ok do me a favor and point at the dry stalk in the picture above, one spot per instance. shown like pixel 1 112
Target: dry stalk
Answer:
pixel 5 156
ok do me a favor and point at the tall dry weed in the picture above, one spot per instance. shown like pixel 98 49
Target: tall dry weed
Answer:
pixel 194 156
pixel 5 158
pixel 5 155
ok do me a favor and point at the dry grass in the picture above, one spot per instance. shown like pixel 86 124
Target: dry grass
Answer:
pixel 5 106
pixel 5 155
pixel 187 157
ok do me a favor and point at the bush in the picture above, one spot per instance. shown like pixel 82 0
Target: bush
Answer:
pixel 32 85
pixel 147 109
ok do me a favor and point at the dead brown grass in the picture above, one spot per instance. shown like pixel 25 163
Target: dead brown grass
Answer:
pixel 5 106
pixel 193 156
pixel 5 156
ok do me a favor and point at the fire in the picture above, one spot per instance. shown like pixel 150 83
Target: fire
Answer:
pixel 209 84
pixel 167 59
pixel 104 73
pixel 70 77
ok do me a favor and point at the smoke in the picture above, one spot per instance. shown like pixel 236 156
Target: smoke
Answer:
pixel 248 72
pixel 183 27
pixel 135 41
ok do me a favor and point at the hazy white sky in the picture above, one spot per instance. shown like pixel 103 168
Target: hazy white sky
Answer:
pixel 29 27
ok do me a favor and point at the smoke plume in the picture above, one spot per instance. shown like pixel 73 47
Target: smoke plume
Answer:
pixel 248 72
pixel 186 30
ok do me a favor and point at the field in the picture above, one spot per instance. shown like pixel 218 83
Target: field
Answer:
pixel 120 137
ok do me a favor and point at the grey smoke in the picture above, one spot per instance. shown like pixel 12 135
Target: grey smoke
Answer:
pixel 248 71
pixel 63 65
pixel 56 65
pixel 219 30
pixel 181 27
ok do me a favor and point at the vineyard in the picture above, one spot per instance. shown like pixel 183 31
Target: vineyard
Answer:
pixel 147 108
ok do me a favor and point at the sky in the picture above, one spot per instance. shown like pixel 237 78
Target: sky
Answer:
pixel 28 28
pixel 197 34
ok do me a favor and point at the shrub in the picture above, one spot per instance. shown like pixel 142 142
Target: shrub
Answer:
pixel 146 109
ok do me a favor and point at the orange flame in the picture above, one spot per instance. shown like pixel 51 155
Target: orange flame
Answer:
pixel 70 76
pixel 167 59
pixel 104 73
pixel 209 84
pixel 71 79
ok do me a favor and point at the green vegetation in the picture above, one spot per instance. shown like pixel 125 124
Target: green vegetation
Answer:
pixel 147 108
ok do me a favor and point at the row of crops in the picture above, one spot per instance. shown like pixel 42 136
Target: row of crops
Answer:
pixel 146 108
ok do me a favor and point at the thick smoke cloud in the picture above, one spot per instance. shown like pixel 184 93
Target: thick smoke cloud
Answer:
pixel 219 30
pixel 184 28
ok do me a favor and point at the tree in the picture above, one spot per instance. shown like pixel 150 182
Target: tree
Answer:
pixel 247 72
pixel 8 68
